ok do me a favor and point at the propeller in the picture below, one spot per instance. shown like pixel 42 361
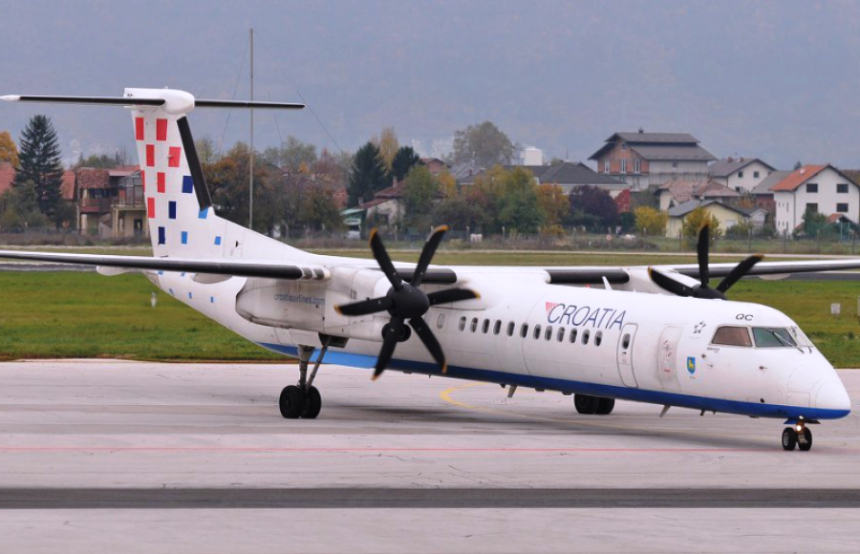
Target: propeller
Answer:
pixel 405 301
pixel 704 290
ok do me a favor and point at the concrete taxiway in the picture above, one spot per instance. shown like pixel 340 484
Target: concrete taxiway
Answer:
pixel 99 454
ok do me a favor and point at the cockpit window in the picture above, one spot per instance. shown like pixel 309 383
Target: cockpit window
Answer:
pixel 773 337
pixel 732 336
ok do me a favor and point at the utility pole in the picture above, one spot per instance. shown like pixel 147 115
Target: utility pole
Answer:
pixel 251 210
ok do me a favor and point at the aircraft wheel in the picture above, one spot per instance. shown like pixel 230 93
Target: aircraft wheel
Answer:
pixel 789 438
pixel 292 402
pixel 585 404
pixel 804 439
pixel 313 404
pixel 605 406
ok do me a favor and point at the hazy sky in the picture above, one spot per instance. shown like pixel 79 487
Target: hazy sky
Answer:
pixel 775 79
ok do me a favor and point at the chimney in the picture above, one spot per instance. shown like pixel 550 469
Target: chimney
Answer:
pixel 641 130
pixel 802 170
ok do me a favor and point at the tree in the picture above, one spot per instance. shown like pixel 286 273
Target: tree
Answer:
pixel 518 207
pixel 103 161
pixel 367 176
pixel 814 225
pixel 388 146
pixel 404 160
pixel 650 221
pixel 460 213
pixel 421 189
pixel 483 145
pixel 19 209
pixel 206 150
pixel 8 149
pixel 229 183
pixel 553 202
pixel 40 163
pixel 292 155
pixel 593 208
pixel 695 220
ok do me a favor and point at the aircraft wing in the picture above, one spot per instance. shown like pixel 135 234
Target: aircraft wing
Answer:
pixel 770 268
pixel 238 268
pixel 267 269
pixel 619 275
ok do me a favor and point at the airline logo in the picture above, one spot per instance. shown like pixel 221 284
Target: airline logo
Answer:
pixel 691 364
pixel 584 316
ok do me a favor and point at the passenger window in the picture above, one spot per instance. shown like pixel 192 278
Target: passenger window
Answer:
pixel 732 336
pixel 598 338
pixel 572 336
pixel 524 330
pixel 548 334
pixel 440 321
pixel 511 327
pixel 474 326
pixel 537 332
pixel 625 341
pixel 560 334
pixel 497 327
pixel 773 337
pixel 486 326
pixel 585 335
pixel 462 323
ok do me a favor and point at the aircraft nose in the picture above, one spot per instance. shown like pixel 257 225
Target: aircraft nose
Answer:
pixel 833 396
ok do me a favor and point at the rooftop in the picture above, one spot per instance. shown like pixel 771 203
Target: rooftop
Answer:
pixel 566 173
pixel 659 146
pixel 727 166
pixel 682 210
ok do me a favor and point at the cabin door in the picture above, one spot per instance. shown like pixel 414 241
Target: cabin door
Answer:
pixel 625 355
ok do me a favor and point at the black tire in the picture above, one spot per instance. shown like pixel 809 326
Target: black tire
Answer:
pixel 585 404
pixel 804 441
pixel 605 406
pixel 292 402
pixel 313 404
pixel 789 438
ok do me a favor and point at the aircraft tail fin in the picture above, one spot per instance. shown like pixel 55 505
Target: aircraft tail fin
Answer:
pixel 179 208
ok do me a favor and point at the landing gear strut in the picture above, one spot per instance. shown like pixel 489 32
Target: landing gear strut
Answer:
pixel 797 435
pixel 303 399
pixel 591 405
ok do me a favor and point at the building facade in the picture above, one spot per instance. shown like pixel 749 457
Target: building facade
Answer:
pixel 643 160
pixel 740 174
pixel 814 188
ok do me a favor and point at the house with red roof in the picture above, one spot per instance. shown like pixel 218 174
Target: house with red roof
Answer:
pixel 812 188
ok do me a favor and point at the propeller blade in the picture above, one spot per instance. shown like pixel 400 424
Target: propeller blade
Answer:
pixel 365 307
pixel 451 295
pixel 384 261
pixel 665 282
pixel 393 333
pixel 429 339
pixel 739 271
pixel 427 254
pixel 702 254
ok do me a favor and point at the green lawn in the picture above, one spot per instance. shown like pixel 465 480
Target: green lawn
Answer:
pixel 70 314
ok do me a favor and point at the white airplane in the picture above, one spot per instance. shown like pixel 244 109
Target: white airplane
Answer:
pixel 660 335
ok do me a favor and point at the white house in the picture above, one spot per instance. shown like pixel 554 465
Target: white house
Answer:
pixel 817 188
pixel 740 174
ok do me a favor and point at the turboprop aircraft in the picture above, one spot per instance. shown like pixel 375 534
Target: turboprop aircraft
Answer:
pixel 658 334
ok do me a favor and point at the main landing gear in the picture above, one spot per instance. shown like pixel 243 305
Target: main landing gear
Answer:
pixel 797 435
pixel 303 399
pixel 591 405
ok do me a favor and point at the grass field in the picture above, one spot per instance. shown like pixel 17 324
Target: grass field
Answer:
pixel 71 314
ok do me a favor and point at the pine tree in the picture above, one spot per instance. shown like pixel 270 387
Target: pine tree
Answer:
pixel 404 160
pixel 40 163
pixel 368 174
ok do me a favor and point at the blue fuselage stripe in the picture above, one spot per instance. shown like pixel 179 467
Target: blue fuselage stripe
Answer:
pixel 578 387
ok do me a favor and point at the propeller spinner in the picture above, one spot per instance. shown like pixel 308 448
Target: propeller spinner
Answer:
pixel 405 301
pixel 704 290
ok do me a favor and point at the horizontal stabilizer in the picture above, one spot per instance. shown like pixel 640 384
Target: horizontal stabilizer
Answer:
pixel 129 101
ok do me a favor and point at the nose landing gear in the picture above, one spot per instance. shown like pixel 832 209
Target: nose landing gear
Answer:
pixel 797 435
pixel 303 400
